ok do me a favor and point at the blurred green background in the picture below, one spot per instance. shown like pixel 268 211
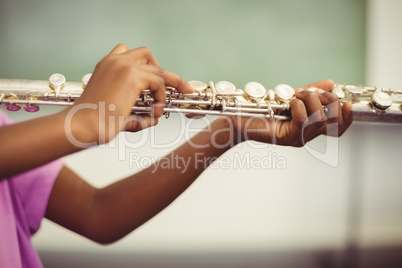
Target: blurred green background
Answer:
pixel 288 41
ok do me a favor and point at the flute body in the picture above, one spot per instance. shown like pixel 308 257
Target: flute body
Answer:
pixel 369 104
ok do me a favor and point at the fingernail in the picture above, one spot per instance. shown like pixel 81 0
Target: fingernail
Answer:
pixel 312 89
pixel 299 89
pixel 320 91
pixel 189 86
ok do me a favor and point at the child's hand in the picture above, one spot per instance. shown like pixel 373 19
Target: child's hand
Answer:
pixel 118 79
pixel 309 119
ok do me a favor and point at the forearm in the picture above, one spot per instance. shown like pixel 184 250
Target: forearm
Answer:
pixel 125 205
pixel 32 143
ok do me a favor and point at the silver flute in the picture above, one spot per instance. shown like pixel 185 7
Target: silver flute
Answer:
pixel 370 104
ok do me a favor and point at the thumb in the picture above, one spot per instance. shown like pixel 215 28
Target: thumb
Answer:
pixel 136 123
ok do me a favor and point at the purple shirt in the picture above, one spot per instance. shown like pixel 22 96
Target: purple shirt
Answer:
pixel 23 202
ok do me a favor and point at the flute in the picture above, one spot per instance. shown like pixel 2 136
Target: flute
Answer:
pixel 369 104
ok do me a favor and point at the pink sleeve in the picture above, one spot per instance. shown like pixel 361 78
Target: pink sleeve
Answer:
pixel 34 186
pixel 4 119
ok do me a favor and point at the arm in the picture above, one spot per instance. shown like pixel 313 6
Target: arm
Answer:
pixel 106 215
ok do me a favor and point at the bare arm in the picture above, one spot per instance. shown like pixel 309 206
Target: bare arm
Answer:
pixel 105 215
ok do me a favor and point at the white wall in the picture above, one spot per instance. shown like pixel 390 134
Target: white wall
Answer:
pixel 384 42
pixel 380 158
